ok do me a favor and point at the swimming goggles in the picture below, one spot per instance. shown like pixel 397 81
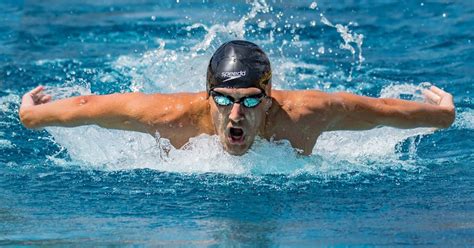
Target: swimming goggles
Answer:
pixel 247 101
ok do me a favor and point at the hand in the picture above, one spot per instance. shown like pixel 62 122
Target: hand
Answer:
pixel 30 99
pixel 444 100
pixel 439 97
pixel 35 97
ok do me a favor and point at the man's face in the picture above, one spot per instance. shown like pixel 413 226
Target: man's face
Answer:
pixel 237 125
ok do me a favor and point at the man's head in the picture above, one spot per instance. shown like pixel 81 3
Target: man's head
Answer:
pixel 239 87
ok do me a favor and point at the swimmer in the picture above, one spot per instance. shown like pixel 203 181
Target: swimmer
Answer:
pixel 238 105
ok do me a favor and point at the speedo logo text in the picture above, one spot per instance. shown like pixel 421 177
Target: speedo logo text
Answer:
pixel 233 74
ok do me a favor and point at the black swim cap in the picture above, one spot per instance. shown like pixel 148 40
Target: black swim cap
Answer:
pixel 239 64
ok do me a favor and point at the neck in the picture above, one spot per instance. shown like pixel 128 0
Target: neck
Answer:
pixel 269 121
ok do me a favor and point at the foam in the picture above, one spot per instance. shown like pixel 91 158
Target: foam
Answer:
pixel 162 70
pixel 6 144
pixel 335 153
pixel 154 71
pixel 9 102
pixel 465 120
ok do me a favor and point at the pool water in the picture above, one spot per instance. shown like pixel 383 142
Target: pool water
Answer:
pixel 96 187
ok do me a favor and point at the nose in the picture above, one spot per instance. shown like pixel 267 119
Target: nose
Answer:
pixel 236 113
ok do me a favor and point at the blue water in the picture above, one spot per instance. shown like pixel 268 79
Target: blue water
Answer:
pixel 91 186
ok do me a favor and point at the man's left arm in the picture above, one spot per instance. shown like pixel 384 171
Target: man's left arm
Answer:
pixel 353 112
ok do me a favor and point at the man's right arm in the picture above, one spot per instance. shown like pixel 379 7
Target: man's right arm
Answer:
pixel 110 111
pixel 175 116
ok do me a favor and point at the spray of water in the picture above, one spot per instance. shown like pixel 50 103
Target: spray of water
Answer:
pixel 465 120
pixel 162 70
pixel 336 153
pixel 349 38
pixel 235 29
pixel 154 71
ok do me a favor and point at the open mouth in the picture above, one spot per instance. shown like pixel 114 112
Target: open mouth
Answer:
pixel 236 135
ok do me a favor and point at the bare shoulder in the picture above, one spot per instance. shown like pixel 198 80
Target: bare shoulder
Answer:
pixel 299 116
pixel 304 102
pixel 176 116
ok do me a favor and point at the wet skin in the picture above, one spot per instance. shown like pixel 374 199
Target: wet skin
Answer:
pixel 236 125
pixel 297 116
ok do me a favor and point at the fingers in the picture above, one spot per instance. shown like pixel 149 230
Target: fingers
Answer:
pixel 438 91
pixel 438 96
pixel 446 98
pixel 431 97
pixel 36 90
pixel 41 98
pixel 35 97
pixel 45 99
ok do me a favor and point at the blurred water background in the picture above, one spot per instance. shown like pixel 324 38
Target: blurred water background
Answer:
pixel 87 185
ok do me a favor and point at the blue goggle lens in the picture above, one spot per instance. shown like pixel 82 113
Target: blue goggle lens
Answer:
pixel 248 102
pixel 222 100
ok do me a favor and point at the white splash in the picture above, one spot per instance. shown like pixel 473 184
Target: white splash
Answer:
pixel 233 29
pixel 7 102
pixel 184 69
pixel 376 144
pixel 6 144
pixel 67 91
pixel 164 70
pixel 465 120
pixel 9 112
pixel 286 74
pixel 336 153
pixel 349 37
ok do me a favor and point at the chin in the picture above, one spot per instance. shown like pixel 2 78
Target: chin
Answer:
pixel 236 150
